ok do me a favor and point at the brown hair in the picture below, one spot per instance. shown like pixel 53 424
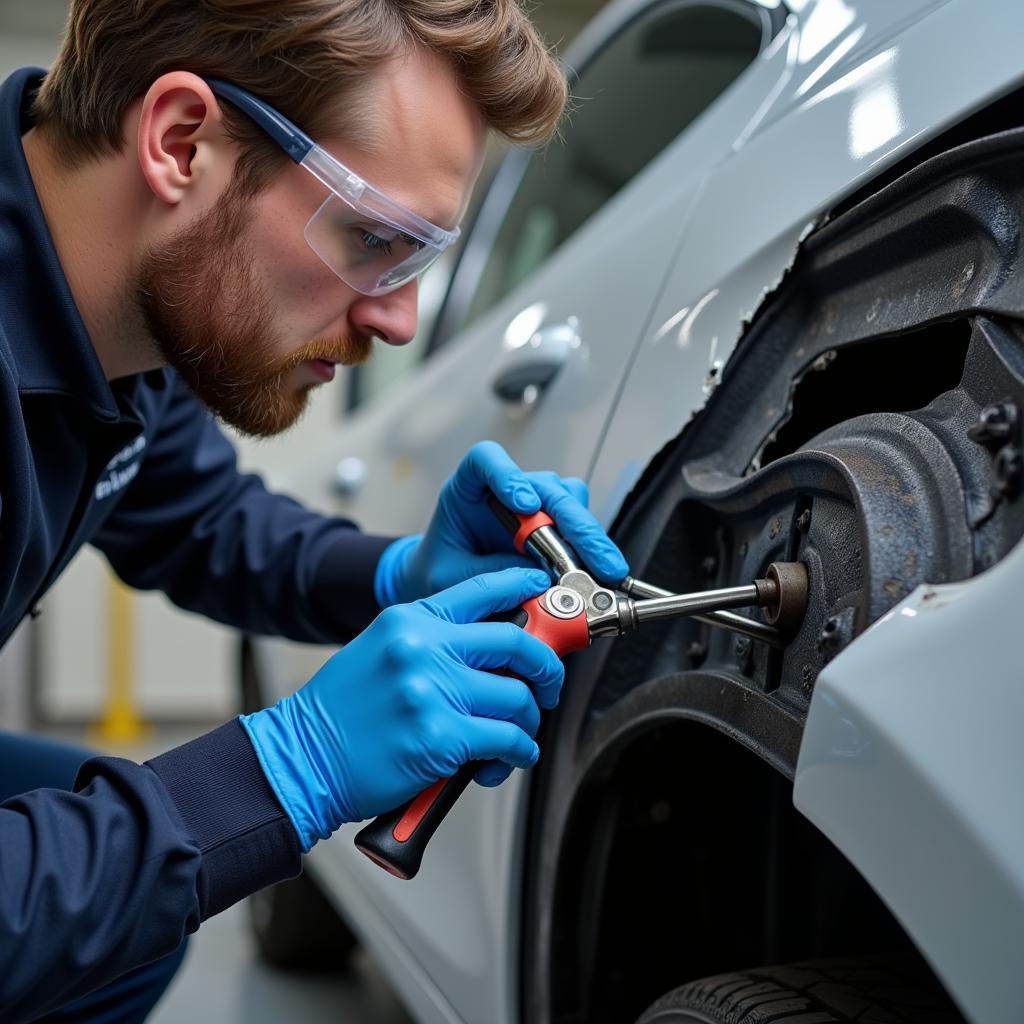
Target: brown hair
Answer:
pixel 297 55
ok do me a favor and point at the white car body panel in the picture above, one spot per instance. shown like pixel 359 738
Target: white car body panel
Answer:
pixel 762 198
pixel 411 442
pixel 662 281
pixel 911 764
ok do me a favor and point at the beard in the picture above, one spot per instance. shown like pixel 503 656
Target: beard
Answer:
pixel 203 306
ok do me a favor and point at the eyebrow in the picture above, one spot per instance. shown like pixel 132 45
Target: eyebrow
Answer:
pixel 292 139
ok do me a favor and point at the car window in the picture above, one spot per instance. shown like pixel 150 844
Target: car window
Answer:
pixel 637 94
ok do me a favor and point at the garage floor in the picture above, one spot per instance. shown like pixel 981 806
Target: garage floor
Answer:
pixel 223 981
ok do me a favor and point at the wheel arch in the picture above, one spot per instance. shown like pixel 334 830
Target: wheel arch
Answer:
pixel 619 706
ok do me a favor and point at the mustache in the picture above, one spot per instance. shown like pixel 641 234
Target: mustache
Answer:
pixel 343 349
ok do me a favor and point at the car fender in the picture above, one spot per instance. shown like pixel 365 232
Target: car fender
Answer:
pixel 911 762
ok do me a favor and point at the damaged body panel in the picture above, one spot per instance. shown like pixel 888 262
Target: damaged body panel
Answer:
pixel 756 205
pixel 868 424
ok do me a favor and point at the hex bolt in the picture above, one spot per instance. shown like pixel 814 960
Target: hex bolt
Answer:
pixel 994 426
pixel 602 601
pixel 998 430
pixel 1009 465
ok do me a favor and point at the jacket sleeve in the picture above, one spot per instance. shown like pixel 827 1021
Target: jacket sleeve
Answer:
pixel 111 876
pixel 217 542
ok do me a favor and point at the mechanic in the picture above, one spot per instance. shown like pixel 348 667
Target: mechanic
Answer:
pixel 166 262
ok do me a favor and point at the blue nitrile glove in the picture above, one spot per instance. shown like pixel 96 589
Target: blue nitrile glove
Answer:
pixel 407 702
pixel 464 537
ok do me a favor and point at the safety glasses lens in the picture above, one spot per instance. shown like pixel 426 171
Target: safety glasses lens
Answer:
pixel 372 256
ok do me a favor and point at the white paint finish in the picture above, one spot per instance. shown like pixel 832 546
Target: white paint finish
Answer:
pixel 412 441
pixel 911 764
pixel 453 919
pixel 391 950
pixel 759 200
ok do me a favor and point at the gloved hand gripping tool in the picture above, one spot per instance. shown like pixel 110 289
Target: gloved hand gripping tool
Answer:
pixel 567 617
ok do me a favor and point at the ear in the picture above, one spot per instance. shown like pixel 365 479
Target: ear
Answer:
pixel 180 132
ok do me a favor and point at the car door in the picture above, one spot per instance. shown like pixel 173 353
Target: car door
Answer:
pixel 562 265
pixel 554 288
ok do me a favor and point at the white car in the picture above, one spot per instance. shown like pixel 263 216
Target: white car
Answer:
pixel 767 298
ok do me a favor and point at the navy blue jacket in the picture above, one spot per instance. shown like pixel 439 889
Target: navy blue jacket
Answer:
pixel 111 876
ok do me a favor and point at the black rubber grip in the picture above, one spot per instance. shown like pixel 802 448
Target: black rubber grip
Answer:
pixel 381 842
pixel 505 516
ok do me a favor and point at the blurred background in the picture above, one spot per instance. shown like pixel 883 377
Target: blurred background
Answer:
pixel 110 662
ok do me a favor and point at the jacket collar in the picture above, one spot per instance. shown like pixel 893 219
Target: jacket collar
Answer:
pixel 48 340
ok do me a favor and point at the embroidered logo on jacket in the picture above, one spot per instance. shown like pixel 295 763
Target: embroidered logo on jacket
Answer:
pixel 114 476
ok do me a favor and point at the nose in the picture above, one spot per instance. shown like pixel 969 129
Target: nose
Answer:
pixel 391 317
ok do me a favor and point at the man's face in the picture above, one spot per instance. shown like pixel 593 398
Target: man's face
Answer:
pixel 249 315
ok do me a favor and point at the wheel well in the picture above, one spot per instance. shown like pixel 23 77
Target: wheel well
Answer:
pixel 685 857
pixel 869 424
pixel 887 374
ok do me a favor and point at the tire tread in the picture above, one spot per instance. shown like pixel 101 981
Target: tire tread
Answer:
pixel 836 991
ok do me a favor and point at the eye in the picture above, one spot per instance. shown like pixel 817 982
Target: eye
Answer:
pixel 374 243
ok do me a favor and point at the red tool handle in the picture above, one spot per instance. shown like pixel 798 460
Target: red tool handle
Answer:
pixel 396 840
pixel 520 526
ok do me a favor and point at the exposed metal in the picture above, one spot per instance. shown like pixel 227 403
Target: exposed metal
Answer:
pixel 710 600
pixel 722 619
pixel 546 545
pixel 787 604
pixel 563 603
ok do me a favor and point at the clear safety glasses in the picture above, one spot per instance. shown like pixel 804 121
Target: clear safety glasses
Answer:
pixel 372 243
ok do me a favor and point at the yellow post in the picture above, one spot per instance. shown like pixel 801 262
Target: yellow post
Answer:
pixel 121 723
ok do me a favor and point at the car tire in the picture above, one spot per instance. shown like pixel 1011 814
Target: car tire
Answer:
pixel 296 928
pixel 816 992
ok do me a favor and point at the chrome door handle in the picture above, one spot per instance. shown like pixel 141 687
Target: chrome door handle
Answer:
pixel 530 367
pixel 350 476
